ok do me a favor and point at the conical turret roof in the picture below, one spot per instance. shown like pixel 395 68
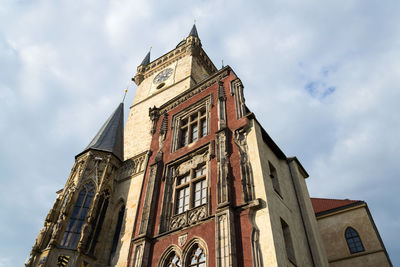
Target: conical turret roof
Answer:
pixel 146 60
pixel 193 32
pixel 110 137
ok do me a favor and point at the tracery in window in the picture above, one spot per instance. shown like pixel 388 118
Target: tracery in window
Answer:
pixel 78 216
pixel 173 261
pixel 353 240
pixel 191 190
pixel 197 258
pixel 193 127
pixel 101 209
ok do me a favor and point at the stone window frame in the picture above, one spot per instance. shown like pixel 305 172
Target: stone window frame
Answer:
pixel 354 238
pixel 171 250
pixel 173 172
pixel 184 253
pixel 186 114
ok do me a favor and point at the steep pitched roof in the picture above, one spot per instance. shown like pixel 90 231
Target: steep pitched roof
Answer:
pixel 110 137
pixel 193 32
pixel 328 204
pixel 146 60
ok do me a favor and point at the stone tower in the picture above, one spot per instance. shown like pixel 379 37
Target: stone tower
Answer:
pixel 194 181
pixel 71 232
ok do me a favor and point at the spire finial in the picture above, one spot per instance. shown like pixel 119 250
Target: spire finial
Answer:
pixel 222 62
pixel 126 91
pixel 194 21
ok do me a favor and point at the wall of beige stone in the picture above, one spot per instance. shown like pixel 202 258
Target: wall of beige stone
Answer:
pixel 332 229
pixel 129 192
pixel 371 260
pixel 137 131
pixel 314 238
pixel 262 217
pixel 268 219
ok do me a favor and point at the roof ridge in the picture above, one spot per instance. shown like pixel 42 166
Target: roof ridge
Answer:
pixel 337 199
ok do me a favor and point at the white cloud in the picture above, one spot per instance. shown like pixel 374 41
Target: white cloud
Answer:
pixel 64 67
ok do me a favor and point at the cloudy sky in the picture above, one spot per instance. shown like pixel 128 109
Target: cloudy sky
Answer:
pixel 322 77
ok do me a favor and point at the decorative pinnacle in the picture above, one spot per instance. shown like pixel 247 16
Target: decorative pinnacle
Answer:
pixel 126 91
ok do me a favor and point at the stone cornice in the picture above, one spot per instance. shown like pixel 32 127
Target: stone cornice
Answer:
pixel 195 90
pixel 191 47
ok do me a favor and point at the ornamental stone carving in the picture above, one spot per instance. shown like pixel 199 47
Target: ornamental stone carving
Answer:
pixel 197 214
pixel 178 221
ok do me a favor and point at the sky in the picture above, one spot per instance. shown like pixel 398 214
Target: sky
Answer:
pixel 322 77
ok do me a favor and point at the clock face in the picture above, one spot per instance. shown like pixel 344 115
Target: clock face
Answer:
pixel 163 76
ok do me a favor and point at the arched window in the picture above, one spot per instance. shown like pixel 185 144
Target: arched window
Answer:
pixel 78 216
pixel 117 231
pixel 197 258
pixel 353 240
pixel 98 223
pixel 173 261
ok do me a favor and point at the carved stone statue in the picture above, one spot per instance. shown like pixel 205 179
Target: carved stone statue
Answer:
pixel 57 230
pixel 52 216
pixel 30 260
pixel 41 239
pixel 87 228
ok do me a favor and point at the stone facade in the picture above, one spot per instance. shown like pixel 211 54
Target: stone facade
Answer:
pixel 200 181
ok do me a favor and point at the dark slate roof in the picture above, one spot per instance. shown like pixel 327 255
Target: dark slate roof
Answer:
pixel 193 32
pixel 110 137
pixel 146 60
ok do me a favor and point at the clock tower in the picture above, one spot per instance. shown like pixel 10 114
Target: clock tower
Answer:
pixel 161 80
pixel 158 81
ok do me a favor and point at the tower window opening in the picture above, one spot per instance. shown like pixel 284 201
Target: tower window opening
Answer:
pixel 274 178
pixel 117 232
pixel 288 241
pixel 101 212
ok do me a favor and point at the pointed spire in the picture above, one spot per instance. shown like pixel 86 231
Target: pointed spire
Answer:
pixel 193 32
pixel 146 60
pixel 110 137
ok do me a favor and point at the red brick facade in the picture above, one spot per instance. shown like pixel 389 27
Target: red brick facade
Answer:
pixel 163 155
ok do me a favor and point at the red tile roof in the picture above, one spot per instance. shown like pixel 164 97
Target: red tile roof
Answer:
pixel 325 204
